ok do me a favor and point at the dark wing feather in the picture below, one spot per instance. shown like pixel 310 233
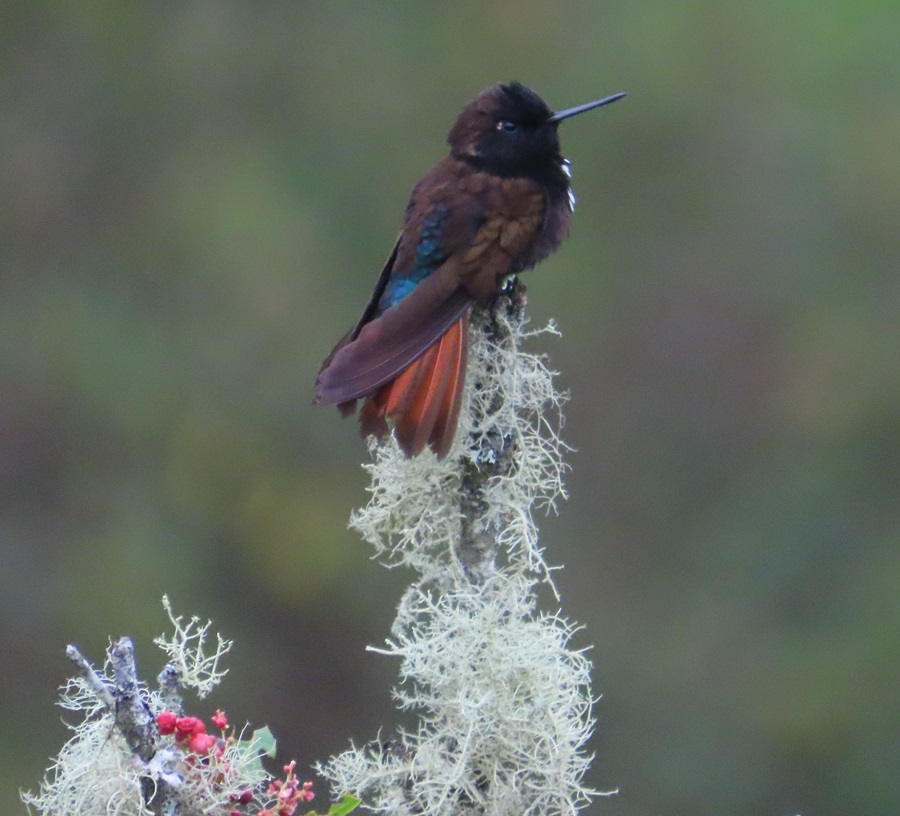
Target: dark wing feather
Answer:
pixel 378 291
pixel 368 312
pixel 383 347
pixel 488 226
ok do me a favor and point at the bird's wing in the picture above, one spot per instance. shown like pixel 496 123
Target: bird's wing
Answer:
pixel 481 226
pixel 372 306
pixel 384 346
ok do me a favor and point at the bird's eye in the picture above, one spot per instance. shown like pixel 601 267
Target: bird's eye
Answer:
pixel 509 127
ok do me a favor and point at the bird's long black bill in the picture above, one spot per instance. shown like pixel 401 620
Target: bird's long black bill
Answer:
pixel 565 114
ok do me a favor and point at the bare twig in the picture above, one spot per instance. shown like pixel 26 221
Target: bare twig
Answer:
pixel 94 681
pixel 169 680
pixel 133 717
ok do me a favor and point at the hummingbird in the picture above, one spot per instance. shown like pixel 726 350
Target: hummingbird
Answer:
pixel 498 203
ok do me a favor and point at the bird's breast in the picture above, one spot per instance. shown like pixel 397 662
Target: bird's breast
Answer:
pixel 475 228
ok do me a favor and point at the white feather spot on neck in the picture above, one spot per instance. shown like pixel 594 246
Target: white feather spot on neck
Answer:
pixel 566 167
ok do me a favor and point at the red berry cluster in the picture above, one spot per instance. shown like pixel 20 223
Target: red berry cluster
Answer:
pixel 191 731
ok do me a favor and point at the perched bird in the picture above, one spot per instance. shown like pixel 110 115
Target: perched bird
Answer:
pixel 495 206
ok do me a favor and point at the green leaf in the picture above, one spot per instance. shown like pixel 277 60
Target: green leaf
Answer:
pixel 263 742
pixel 341 808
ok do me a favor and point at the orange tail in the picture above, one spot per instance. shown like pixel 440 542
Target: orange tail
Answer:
pixel 423 401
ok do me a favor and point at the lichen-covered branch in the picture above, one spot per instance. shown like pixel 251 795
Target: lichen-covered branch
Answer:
pixel 132 754
pixel 132 714
pixel 492 454
pixel 503 701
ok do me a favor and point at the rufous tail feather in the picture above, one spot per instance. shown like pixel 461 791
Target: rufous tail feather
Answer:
pixel 423 401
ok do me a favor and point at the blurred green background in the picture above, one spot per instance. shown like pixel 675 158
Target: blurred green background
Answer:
pixel 195 199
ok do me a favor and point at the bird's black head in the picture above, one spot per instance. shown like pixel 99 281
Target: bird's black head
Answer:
pixel 505 130
pixel 509 130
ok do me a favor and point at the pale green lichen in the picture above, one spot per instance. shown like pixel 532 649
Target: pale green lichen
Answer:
pixel 93 775
pixel 187 651
pixel 412 517
pixel 97 774
pixel 503 701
